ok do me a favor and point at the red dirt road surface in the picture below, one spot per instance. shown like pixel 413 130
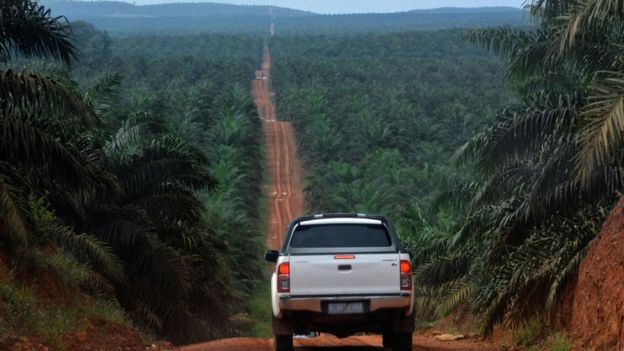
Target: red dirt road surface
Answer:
pixel 285 198
pixel 284 190
pixel 330 343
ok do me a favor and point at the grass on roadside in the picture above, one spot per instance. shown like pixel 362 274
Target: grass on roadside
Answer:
pixel 65 310
pixel 560 342
pixel 24 315
pixel 260 309
pixel 530 334
pixel 536 336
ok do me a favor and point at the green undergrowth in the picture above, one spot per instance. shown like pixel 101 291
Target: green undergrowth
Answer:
pixel 24 315
pixel 537 336
pixel 58 310
pixel 529 334
pixel 560 342
pixel 555 342
pixel 260 309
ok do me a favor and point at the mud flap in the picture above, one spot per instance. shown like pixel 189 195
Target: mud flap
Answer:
pixel 403 324
pixel 282 327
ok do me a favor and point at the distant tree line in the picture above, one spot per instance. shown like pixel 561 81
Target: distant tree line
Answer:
pixel 121 18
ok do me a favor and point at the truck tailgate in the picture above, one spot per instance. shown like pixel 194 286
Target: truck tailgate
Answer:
pixel 357 274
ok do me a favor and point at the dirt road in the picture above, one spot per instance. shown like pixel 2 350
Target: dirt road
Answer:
pixel 329 343
pixel 285 198
pixel 285 195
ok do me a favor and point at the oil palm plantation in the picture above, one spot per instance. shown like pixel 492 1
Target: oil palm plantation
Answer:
pixel 176 283
pixel 116 191
pixel 548 168
pixel 44 149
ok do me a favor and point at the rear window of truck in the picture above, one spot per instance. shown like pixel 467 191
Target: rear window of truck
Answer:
pixel 340 235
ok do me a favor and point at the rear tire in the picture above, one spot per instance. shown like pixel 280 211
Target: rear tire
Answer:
pixel 388 339
pixel 284 343
pixel 402 342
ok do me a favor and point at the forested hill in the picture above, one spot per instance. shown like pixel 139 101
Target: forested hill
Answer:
pixel 189 9
pixel 463 10
pixel 121 17
pixel 417 20
pixel 125 18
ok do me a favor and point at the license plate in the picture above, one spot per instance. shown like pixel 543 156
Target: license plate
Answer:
pixel 345 307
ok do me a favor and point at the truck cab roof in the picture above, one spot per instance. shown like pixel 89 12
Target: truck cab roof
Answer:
pixel 340 221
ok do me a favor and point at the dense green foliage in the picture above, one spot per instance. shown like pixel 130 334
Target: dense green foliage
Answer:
pixel 508 226
pixel 146 173
pixel 196 89
pixel 546 171
pixel 139 162
pixel 378 116
pixel 124 18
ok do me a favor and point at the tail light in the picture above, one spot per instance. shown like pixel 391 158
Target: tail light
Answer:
pixel 406 275
pixel 283 277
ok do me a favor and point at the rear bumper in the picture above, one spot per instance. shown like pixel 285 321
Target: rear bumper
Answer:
pixel 375 302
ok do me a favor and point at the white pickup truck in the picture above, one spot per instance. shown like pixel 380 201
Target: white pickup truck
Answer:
pixel 342 274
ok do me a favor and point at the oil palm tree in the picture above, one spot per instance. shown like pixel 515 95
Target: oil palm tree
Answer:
pixel 155 225
pixel 547 166
pixel 43 147
pixel 29 30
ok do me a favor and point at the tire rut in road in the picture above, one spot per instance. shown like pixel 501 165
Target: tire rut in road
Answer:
pixel 284 191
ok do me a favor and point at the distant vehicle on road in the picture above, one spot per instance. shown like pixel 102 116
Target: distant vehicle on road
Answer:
pixel 342 274
pixel 260 75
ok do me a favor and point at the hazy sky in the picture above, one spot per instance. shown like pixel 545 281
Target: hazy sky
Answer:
pixel 351 6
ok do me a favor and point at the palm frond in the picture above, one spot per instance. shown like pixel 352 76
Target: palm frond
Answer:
pixel 458 293
pixel 76 273
pixel 14 211
pixel 102 95
pixel 30 30
pixel 601 139
pixel 26 140
pixel 559 284
pixel 515 134
pixel 443 269
pixel 91 250
pixel 28 94
pixel 525 51
pixel 132 136
pixel 588 18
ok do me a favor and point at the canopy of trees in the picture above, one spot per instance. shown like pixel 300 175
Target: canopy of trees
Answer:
pixel 137 157
pixel 144 173
pixel 379 116
pixel 544 172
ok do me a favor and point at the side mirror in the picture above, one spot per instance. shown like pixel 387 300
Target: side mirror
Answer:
pixel 271 256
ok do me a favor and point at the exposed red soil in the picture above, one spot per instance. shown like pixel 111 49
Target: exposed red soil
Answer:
pixel 101 335
pixel 48 287
pixel 595 312
pixel 285 195
pixel 93 334
pixel 328 342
